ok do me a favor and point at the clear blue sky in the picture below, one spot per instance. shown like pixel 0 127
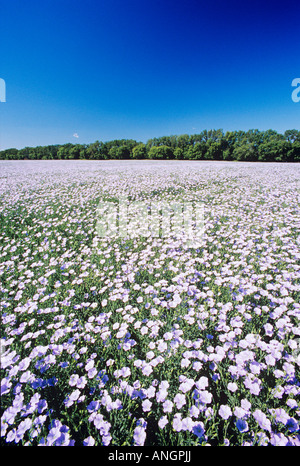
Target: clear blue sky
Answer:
pixel 140 69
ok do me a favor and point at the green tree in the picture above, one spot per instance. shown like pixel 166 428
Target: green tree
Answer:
pixel 94 150
pixel 294 152
pixel 189 153
pixel 178 153
pixel 292 135
pixel 209 144
pixel 74 152
pixel 64 151
pixel 9 154
pixel 214 150
pixel 227 154
pixel 183 141
pixel 83 154
pixel 119 152
pixel 246 152
pixel 160 152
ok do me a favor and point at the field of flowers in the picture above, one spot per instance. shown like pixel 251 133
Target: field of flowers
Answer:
pixel 141 340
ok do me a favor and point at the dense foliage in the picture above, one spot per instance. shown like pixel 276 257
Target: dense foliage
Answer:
pixel 141 340
pixel 252 145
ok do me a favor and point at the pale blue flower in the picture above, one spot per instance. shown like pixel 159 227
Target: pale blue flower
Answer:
pixel 139 436
pixel 146 405
pixel 163 422
pixel 179 400
pixel 225 411
pixel 262 420
pixel 177 422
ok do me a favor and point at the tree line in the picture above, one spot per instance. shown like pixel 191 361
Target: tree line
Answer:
pixel 252 145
